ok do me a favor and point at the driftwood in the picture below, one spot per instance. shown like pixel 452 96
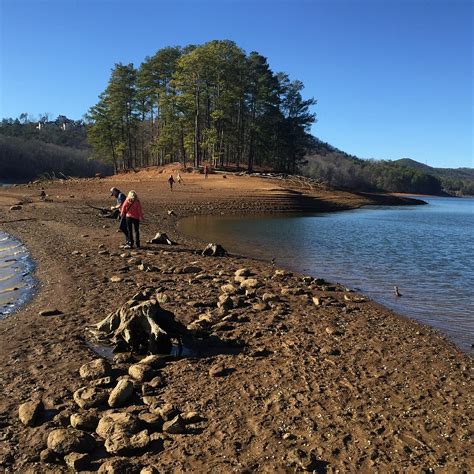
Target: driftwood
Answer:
pixel 142 326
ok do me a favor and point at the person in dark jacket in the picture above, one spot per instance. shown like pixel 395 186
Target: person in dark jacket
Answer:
pixel 115 192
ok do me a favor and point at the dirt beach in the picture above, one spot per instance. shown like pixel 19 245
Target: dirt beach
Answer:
pixel 298 374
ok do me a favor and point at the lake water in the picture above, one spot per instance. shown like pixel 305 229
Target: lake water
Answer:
pixel 427 251
pixel 16 280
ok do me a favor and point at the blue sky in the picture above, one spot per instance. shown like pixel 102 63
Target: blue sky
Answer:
pixel 393 78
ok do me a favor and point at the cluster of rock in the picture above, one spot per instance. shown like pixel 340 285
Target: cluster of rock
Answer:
pixel 118 412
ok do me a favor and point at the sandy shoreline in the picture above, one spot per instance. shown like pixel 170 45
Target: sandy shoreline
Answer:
pixel 346 386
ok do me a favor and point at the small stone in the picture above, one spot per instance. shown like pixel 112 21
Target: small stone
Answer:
pixel 50 312
pixel 15 208
pixel 242 272
pixel 117 466
pixel 151 420
pixel 47 455
pixel 260 306
pixel 28 412
pixel 270 297
pixel 191 269
pixel 140 372
pixel 67 440
pixel 77 461
pixel 218 370
pixel 225 302
pixel 149 470
pixel 191 417
pixel 95 369
pixel 175 426
pixel 120 442
pixel 168 411
pixel 116 279
pixel 102 382
pixel 121 393
pixel 84 421
pixel 155 361
pixel 229 289
pixel 162 298
pixel 250 283
pixel 122 357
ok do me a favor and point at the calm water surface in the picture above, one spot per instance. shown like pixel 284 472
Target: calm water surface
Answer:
pixel 16 281
pixel 427 251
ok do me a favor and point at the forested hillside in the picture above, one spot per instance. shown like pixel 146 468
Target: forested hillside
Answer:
pixel 31 148
pixel 340 169
pixel 211 103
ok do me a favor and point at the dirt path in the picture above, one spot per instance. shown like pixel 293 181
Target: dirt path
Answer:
pixel 342 386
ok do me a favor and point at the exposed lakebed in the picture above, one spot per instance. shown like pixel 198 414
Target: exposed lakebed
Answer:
pixel 424 250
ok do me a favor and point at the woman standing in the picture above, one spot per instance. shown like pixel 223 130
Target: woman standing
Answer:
pixel 132 211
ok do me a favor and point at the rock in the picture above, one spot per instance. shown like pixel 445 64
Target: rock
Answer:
pixel 102 382
pixel 239 279
pixel 117 466
pixel 98 368
pixel 84 421
pixel 225 301
pixel 191 417
pixel 67 440
pixel 28 412
pixel 122 357
pixel 175 426
pixel 155 361
pixel 149 470
pixel 121 393
pixel 16 208
pixel 191 269
pixel 161 238
pixel 318 301
pixel 260 306
pixel 77 461
pixel 250 283
pixel 140 372
pixel 110 423
pixel 153 421
pixel 162 298
pixel 47 455
pixel 242 272
pixel 116 279
pixel 229 289
pixel 218 370
pixel 270 297
pixel 50 312
pixel 89 397
pixel 168 411
pixel 282 273
pixel 120 442
pixel 214 250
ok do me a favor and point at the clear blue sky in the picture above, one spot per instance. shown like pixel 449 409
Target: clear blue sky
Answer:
pixel 393 78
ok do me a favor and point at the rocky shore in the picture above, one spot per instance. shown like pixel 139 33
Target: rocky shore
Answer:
pixel 278 372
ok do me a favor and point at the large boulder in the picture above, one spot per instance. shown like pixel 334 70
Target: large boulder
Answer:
pixel 86 421
pixel 143 326
pixel 68 440
pixel 28 412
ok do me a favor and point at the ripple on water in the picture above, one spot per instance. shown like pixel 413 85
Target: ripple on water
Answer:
pixel 16 280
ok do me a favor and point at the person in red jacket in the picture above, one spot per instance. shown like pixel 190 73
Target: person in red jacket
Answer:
pixel 132 211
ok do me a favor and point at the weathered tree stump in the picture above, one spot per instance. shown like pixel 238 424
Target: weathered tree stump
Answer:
pixel 161 238
pixel 214 250
pixel 142 326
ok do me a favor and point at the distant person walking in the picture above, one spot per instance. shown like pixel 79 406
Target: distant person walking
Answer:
pixel 132 212
pixel 178 178
pixel 171 181
pixel 115 192
pixel 206 171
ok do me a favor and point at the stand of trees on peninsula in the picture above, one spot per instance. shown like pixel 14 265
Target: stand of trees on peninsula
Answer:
pixel 194 104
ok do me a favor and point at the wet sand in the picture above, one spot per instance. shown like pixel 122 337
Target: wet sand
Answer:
pixel 343 386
